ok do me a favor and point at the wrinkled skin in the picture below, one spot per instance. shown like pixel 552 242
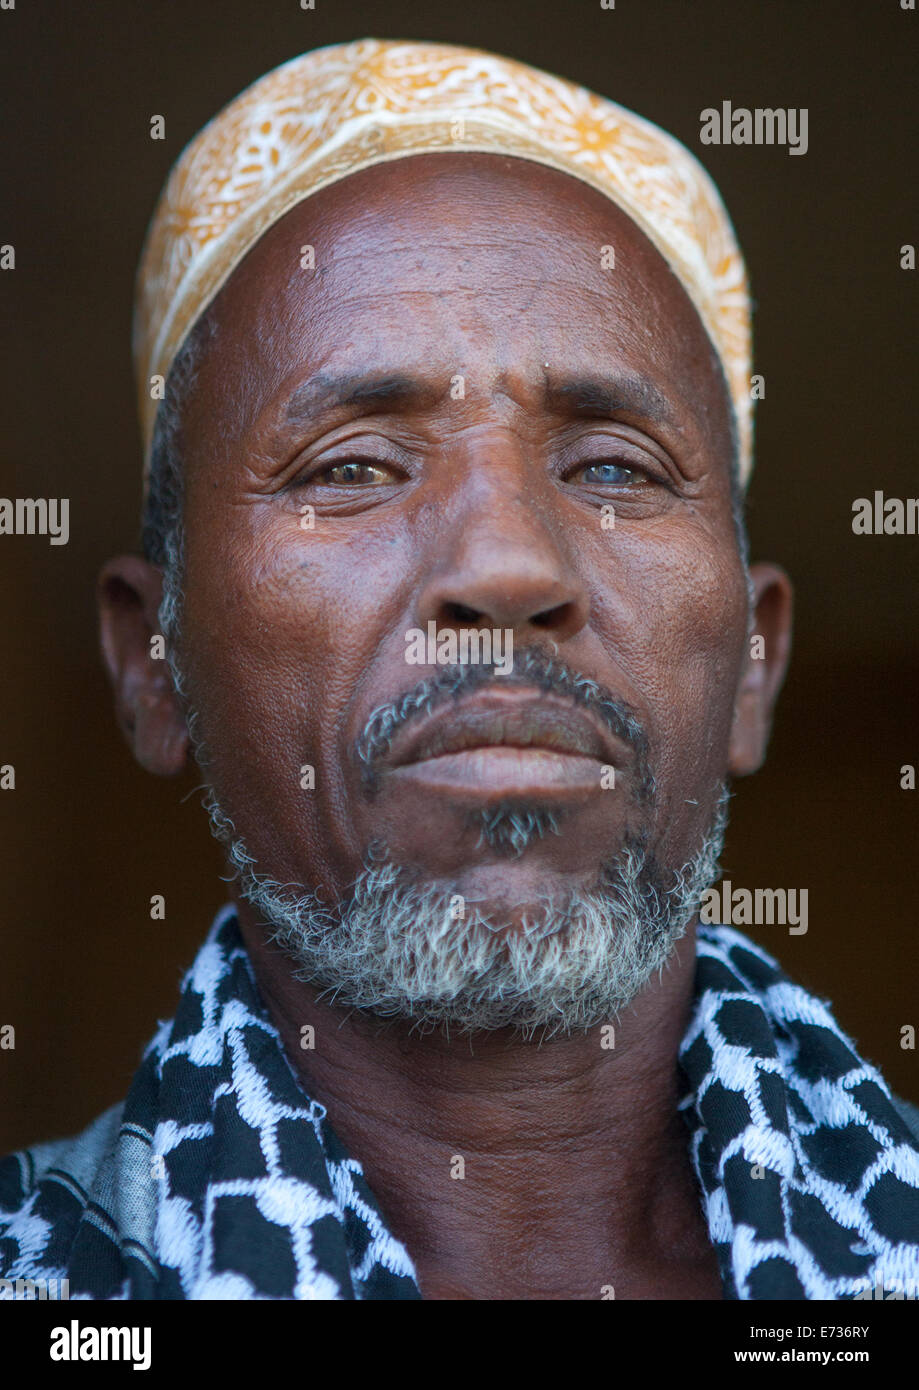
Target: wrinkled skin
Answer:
pixel 485 511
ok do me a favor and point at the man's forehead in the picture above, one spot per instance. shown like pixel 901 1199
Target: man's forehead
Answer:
pixel 386 326
pixel 477 210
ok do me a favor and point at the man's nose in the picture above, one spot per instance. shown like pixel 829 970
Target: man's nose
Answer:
pixel 503 562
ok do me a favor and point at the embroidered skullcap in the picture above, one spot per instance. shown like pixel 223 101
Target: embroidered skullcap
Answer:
pixel 335 110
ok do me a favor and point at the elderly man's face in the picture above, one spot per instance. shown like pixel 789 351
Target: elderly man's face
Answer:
pixel 461 390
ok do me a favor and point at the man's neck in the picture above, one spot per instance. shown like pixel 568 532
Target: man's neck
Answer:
pixel 533 1169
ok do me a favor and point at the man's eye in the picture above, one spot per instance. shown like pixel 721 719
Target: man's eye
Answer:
pixel 607 473
pixel 355 473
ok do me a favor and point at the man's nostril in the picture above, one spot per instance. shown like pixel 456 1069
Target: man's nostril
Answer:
pixel 461 613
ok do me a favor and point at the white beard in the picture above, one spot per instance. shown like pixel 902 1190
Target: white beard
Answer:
pixel 399 949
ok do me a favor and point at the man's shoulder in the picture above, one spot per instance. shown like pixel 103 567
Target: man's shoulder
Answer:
pixel 731 961
pixel 86 1206
pixel 52 1193
pixel 78 1156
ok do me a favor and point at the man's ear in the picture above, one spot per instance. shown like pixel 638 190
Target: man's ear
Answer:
pixel 765 664
pixel 146 706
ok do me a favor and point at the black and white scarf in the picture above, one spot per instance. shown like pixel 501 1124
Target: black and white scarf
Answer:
pixel 219 1178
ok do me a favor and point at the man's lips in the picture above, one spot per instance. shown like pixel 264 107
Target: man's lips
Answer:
pixel 504 743
pixel 499 720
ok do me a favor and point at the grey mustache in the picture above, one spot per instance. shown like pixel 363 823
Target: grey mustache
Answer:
pixel 534 667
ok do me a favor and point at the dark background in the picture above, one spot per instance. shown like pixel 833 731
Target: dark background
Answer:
pixel 87 837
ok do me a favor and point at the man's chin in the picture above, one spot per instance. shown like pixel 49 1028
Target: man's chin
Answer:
pixel 506 900
pixel 437 954
pixel 507 848
pixel 399 949
pixel 524 866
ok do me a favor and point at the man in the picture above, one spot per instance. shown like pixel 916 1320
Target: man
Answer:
pixel 444 550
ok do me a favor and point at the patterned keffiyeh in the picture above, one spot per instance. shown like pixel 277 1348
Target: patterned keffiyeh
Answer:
pixel 219 1178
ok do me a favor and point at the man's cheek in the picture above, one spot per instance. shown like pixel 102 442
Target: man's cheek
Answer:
pixel 697 639
pixel 702 599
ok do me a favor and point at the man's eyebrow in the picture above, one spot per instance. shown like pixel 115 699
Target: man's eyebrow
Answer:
pixel 363 390
pixel 608 396
pixel 605 396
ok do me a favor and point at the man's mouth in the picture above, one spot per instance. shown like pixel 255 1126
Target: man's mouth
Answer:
pixel 504 743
